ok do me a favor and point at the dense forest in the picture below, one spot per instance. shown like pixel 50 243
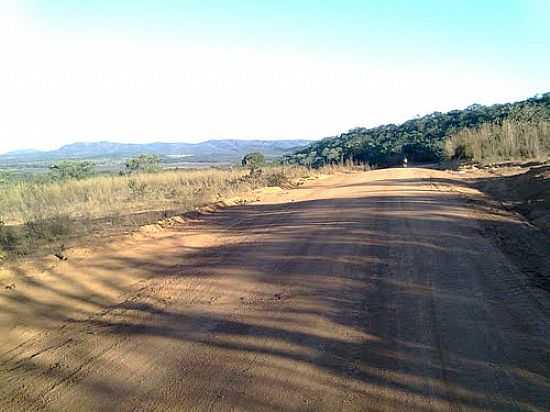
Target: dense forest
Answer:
pixel 421 139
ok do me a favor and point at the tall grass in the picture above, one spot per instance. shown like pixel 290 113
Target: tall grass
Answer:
pixel 509 140
pixel 103 196
pixel 30 211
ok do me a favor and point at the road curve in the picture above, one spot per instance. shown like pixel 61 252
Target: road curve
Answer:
pixel 370 291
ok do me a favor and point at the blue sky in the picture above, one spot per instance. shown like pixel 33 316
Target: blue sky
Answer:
pixel 398 30
pixel 192 70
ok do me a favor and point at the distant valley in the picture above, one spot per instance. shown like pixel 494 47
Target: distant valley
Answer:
pixel 109 155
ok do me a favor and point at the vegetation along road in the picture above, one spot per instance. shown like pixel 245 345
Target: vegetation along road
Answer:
pixel 366 291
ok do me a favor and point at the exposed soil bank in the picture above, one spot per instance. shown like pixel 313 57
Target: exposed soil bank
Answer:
pixel 522 193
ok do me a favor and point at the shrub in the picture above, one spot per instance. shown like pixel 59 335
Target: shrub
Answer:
pixel 253 160
pixel 143 163
pixel 277 179
pixel 509 140
pixel 137 188
pixel 72 169
pixel 5 177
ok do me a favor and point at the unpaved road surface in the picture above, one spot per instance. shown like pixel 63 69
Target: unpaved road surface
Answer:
pixel 370 291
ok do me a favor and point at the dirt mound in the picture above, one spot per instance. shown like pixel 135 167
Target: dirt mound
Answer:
pixel 527 192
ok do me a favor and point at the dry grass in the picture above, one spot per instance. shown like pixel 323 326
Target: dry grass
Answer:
pixel 53 211
pixel 509 140
pixel 104 196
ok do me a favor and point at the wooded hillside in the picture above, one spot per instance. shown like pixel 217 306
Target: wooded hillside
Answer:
pixel 420 139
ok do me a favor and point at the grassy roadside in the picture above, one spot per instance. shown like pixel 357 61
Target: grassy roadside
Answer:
pixel 498 142
pixel 39 218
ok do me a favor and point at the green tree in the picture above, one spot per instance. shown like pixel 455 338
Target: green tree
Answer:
pixel 253 160
pixel 72 169
pixel 420 139
pixel 143 163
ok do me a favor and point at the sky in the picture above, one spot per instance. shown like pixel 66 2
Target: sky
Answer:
pixel 166 70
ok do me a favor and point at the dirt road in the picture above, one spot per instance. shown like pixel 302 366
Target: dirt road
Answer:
pixel 371 291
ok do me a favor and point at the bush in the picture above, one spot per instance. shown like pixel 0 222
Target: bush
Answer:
pixel 277 179
pixel 5 177
pixel 458 151
pixel 418 152
pixel 137 188
pixel 509 140
pixel 143 163
pixel 72 169
pixel 253 160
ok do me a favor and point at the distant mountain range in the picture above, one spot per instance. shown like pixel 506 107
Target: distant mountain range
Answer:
pixel 210 150
pixel 22 152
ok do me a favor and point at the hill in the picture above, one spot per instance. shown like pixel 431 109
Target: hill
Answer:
pixel 421 139
pixel 22 152
pixel 228 150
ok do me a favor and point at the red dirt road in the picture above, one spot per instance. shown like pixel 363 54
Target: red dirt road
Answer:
pixel 372 291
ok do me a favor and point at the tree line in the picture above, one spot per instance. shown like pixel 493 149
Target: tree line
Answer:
pixel 421 139
pixel 81 169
